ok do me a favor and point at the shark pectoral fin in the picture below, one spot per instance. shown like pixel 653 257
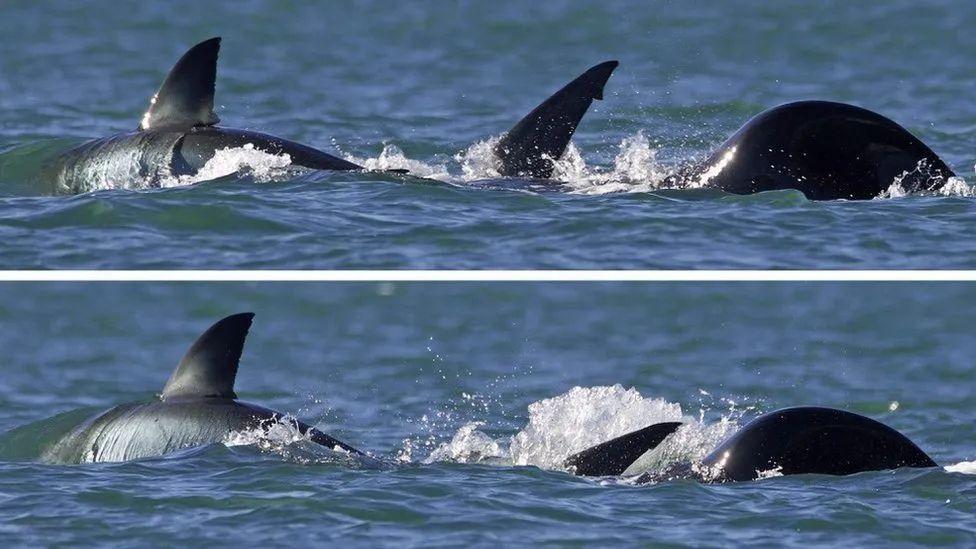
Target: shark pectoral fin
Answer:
pixel 209 367
pixel 329 442
pixel 186 97
pixel 530 148
pixel 614 456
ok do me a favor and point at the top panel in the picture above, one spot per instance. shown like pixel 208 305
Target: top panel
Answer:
pixel 487 136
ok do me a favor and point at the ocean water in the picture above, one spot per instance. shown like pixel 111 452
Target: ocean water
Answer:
pixel 425 85
pixel 471 393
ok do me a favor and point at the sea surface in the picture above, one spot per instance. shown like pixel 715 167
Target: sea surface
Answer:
pixel 471 394
pixel 425 86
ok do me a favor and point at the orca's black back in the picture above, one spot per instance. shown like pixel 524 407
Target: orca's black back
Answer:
pixel 812 440
pixel 825 150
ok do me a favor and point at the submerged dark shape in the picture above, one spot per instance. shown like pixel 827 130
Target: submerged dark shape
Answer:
pixel 198 406
pixel 792 441
pixel 825 150
pixel 532 146
pixel 178 134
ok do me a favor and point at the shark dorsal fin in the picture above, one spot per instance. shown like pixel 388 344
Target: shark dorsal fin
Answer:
pixel 186 97
pixel 210 366
pixel 532 146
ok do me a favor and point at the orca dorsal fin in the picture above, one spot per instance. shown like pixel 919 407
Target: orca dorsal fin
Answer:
pixel 186 97
pixel 210 366
pixel 531 147
pixel 615 456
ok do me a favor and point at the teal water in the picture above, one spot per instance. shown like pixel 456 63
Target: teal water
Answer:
pixel 420 86
pixel 437 379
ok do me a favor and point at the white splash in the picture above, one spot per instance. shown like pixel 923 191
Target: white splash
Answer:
pixel 392 158
pixel 964 467
pixel 637 162
pixel 957 186
pixel 895 190
pixel 771 473
pixel 954 186
pixel 583 417
pixel 479 161
pixel 468 446
pixel 559 427
pixel 262 166
pixel 269 435
pixel 635 167
pixel 283 438
pixel 571 168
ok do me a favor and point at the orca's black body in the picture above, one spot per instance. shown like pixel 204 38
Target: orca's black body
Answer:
pixel 197 407
pixel 826 150
pixel 792 441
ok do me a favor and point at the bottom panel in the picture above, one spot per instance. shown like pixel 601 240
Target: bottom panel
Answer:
pixel 466 399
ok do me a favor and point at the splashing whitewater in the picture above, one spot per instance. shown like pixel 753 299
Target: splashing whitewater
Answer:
pixel 582 417
pixel 260 165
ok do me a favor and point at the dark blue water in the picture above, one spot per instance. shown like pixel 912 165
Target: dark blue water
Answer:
pixel 471 393
pixel 422 86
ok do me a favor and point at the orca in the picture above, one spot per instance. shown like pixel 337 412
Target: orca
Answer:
pixel 825 150
pixel 531 148
pixel 197 407
pixel 791 441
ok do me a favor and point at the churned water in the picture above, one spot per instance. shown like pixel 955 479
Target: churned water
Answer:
pixel 424 86
pixel 470 395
